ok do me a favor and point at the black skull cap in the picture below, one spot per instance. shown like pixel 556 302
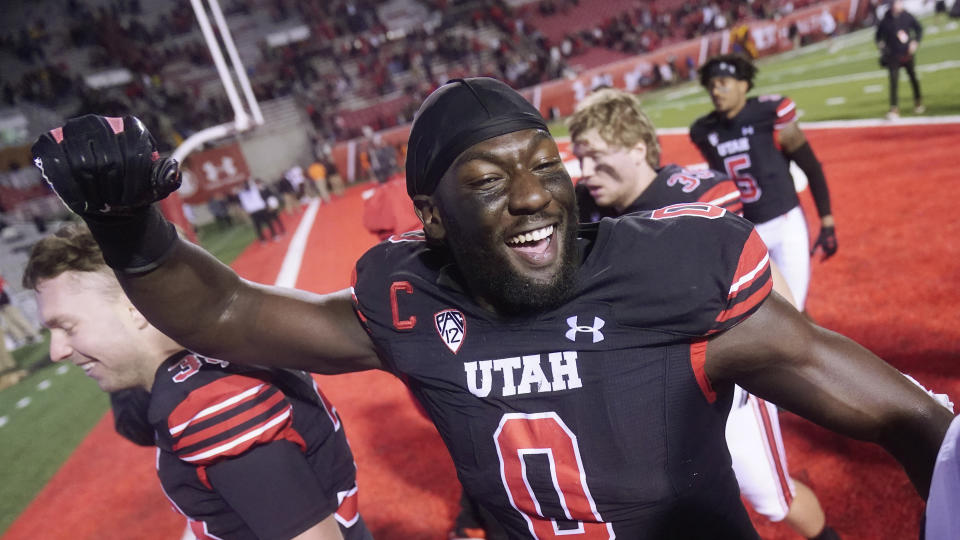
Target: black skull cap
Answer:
pixel 455 117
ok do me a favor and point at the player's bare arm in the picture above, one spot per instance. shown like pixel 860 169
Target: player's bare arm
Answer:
pixel 107 170
pixel 827 378
pixel 207 308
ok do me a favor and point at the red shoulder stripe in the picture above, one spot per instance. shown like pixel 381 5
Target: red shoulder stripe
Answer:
pixel 746 305
pixel 228 423
pixel 754 262
pixel 726 195
pixel 265 432
pixel 214 398
pixel 786 112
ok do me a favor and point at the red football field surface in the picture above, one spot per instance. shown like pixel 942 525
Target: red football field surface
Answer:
pixel 893 287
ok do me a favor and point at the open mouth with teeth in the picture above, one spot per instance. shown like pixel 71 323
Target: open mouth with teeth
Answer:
pixel 534 246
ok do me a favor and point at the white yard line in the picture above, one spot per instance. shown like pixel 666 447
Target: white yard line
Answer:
pixel 290 269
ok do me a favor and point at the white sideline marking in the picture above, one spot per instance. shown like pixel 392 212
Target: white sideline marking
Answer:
pixel 61 370
pixel 44 384
pixel 23 402
pixel 290 269
pixel 836 101
pixel 873 89
pixel 3 421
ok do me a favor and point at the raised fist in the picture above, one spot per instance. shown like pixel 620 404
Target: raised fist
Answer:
pixel 103 165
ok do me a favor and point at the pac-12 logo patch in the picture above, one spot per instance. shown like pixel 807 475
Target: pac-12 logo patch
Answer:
pixel 452 328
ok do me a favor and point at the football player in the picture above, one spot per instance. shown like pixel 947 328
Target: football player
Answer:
pixel 580 378
pixel 753 140
pixel 619 155
pixel 243 453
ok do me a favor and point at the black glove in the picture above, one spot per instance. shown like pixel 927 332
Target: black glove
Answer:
pixel 106 166
pixel 827 241
pixel 108 171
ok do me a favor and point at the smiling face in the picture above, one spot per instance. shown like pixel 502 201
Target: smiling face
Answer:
pixel 728 94
pixel 615 175
pixel 94 326
pixel 507 212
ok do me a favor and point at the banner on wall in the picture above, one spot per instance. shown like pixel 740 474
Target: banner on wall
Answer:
pixel 213 172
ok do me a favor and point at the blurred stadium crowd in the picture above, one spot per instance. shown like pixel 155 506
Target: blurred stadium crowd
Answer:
pixel 348 63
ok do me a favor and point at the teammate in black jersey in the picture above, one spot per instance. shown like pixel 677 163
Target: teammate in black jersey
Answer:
pixel 619 154
pixel 579 378
pixel 753 140
pixel 244 453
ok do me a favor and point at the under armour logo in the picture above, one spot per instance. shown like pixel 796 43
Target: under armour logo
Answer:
pixel 576 328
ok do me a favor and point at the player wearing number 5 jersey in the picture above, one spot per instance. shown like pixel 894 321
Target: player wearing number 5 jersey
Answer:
pixel 579 378
pixel 753 140
pixel 620 157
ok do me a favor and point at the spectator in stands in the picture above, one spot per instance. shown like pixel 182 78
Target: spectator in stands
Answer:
pixel 336 181
pixel 317 172
pixel 12 320
pixel 254 204
pixel 218 209
pixel 273 462
pixel 7 362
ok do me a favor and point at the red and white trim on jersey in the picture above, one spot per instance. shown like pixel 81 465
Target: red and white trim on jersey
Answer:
pixel 772 449
pixel 753 268
pixel 239 444
pixel 198 528
pixel 217 407
pixel 228 417
pixel 725 195
pixel 698 360
pixel 786 113
pixel 327 406
pixel 348 511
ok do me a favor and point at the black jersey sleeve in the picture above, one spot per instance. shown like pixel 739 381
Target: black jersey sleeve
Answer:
pixel 781 109
pixel 274 489
pixel 698 135
pixel 130 407
pixel 703 271
pixel 383 285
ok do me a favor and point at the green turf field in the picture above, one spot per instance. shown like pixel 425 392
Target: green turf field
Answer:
pixel 836 80
pixel 47 414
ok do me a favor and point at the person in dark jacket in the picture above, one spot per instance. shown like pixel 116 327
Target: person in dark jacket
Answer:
pixel 898 37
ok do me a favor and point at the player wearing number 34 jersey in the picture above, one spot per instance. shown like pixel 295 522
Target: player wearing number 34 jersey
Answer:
pixel 526 406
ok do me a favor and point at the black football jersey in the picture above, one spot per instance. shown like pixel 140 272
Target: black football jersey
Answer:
pixel 595 416
pixel 249 453
pixel 747 148
pixel 672 185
